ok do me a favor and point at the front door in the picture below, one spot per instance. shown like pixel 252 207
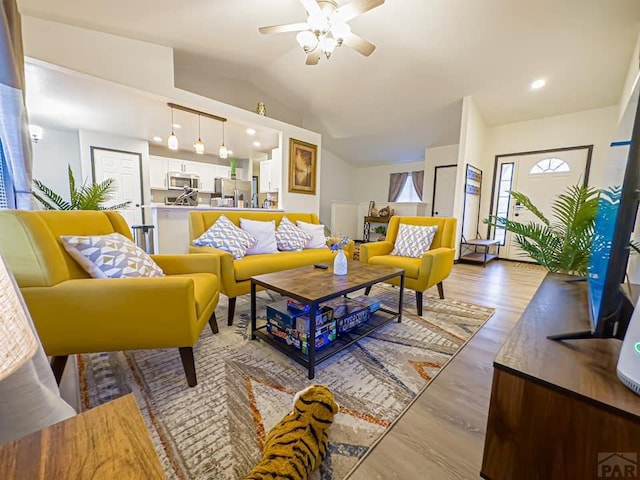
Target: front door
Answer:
pixel 444 191
pixel 125 168
pixel 541 176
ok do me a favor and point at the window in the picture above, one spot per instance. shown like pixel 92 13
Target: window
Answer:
pixel 408 192
pixel 504 196
pixel 550 165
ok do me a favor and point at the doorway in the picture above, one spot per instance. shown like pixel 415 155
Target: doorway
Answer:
pixel 444 190
pixel 126 168
pixel 541 175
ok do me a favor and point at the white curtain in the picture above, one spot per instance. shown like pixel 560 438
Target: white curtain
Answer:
pixel 14 126
pixel 29 396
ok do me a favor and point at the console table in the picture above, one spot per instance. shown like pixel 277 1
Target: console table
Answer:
pixel 106 442
pixel 558 410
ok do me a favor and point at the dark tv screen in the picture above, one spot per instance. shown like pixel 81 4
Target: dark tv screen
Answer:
pixel 615 221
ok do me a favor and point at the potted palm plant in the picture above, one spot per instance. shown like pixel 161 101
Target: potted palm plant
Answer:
pixel 562 244
pixel 86 197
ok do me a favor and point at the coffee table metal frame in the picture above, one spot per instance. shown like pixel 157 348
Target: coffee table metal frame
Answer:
pixel 378 319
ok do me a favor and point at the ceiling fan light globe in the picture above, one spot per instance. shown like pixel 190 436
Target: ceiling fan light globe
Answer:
pixel 172 142
pixel 307 40
pixel 329 44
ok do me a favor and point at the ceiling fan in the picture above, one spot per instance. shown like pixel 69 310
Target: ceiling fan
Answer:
pixel 327 27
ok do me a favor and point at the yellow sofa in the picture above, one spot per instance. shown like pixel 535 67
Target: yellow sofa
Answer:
pixel 420 273
pixel 74 313
pixel 235 275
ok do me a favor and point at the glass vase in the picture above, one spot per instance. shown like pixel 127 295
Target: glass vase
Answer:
pixel 340 263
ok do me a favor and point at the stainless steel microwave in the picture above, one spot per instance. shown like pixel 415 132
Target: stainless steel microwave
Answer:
pixel 177 181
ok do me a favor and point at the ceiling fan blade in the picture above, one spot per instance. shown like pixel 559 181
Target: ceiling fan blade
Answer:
pixel 351 10
pixel 313 58
pixel 291 27
pixel 359 44
pixel 311 6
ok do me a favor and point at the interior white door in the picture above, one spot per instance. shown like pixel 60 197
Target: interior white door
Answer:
pixel 444 191
pixel 540 176
pixel 125 168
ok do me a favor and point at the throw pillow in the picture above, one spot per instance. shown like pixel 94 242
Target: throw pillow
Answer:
pixel 289 237
pixel 110 256
pixel 265 233
pixel 317 240
pixel 413 240
pixel 223 234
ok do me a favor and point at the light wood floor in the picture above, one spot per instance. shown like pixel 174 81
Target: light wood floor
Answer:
pixel 441 435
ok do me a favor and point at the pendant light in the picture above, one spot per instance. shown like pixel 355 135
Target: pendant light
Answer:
pixel 223 152
pixel 199 146
pixel 172 141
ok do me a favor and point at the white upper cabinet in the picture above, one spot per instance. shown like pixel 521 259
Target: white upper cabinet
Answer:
pixel 206 172
pixel 158 172
pixel 276 168
pixel 265 176
pixel 174 165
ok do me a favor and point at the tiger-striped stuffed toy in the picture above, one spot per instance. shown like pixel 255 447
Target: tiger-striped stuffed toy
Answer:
pixel 296 446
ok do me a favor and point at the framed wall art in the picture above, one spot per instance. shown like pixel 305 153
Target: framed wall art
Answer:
pixel 302 167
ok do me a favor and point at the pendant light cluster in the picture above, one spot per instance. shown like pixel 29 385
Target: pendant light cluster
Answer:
pixel 173 142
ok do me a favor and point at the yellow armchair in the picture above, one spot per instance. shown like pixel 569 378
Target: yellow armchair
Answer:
pixel 420 273
pixel 74 313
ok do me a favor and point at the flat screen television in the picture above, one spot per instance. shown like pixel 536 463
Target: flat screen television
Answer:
pixel 610 307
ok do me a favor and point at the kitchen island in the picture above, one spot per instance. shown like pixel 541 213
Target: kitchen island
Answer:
pixel 171 222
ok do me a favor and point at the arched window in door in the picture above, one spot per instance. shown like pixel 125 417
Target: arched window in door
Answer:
pixel 550 165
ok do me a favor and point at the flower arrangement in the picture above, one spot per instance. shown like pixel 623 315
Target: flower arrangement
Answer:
pixel 338 244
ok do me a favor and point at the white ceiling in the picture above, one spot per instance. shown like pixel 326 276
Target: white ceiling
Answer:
pixel 430 53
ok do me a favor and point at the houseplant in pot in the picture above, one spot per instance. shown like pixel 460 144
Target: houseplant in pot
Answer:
pixel 90 196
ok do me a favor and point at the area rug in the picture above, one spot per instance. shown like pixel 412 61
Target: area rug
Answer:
pixel 216 429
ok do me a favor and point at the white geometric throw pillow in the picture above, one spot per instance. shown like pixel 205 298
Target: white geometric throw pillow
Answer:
pixel 316 231
pixel 413 240
pixel 223 234
pixel 110 256
pixel 289 237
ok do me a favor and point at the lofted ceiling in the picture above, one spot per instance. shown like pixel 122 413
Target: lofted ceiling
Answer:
pixel 407 95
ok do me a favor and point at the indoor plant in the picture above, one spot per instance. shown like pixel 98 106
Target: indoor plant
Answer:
pixel 561 245
pixel 87 197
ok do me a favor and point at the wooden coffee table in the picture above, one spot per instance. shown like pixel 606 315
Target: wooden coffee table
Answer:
pixel 315 286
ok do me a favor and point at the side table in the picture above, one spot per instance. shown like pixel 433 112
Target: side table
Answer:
pixel 367 225
pixel 479 257
pixel 106 442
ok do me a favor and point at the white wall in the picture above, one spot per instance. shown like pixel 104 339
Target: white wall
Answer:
pixel 52 154
pixel 473 132
pixel 435 157
pixel 372 183
pixel 337 179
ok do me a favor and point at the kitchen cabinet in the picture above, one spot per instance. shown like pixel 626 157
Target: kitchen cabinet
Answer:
pixel 240 174
pixel 158 172
pixel 206 172
pixel 223 171
pixel 174 165
pixel 269 176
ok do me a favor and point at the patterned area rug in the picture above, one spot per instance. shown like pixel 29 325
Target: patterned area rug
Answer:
pixel 216 429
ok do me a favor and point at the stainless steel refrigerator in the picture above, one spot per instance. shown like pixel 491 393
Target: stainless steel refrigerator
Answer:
pixel 235 189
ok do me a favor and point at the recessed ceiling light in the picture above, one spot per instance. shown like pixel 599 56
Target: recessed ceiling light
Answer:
pixel 176 125
pixel 256 144
pixel 251 131
pixel 229 152
pixel 538 84
pixel 157 139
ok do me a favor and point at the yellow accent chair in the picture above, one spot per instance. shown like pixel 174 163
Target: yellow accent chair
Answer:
pixel 420 273
pixel 74 313
pixel 235 275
